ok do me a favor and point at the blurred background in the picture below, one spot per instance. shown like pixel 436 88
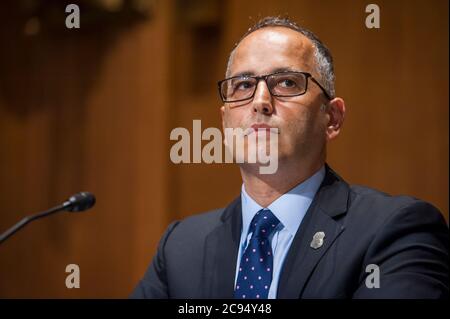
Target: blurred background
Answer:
pixel 92 109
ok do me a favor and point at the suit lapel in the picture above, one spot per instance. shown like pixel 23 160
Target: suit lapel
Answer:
pixel 330 202
pixel 221 249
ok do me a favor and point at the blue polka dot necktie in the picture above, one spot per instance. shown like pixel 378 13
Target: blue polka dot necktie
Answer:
pixel 255 269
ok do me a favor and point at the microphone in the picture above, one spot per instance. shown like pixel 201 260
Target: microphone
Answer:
pixel 76 203
pixel 79 202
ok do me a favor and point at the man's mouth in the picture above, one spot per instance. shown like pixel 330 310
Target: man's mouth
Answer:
pixel 259 128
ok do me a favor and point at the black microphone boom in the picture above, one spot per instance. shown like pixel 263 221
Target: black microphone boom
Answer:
pixel 76 203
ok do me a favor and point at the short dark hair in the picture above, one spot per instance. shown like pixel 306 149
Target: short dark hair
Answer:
pixel 324 59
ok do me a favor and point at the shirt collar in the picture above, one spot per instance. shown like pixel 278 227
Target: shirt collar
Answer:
pixel 289 208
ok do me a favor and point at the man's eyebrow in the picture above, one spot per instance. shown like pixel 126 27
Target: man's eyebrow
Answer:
pixel 244 73
pixel 277 70
pixel 284 69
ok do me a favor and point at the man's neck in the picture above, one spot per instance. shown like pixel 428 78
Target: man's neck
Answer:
pixel 264 189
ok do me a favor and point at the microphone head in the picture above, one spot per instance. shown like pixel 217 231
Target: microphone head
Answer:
pixel 80 202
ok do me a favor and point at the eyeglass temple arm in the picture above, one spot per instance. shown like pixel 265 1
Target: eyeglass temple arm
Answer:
pixel 322 88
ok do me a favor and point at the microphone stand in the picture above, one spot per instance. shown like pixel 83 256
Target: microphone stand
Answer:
pixel 76 203
pixel 28 219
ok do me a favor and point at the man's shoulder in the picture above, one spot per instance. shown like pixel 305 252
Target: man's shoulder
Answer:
pixel 206 219
pixel 370 204
pixel 378 207
pixel 196 227
pixel 375 196
pixel 363 195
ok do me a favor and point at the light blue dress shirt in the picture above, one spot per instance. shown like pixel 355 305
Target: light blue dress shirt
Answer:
pixel 290 208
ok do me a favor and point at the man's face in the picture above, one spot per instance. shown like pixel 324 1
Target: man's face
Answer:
pixel 300 120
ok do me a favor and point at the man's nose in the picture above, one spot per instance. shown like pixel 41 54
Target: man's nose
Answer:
pixel 262 100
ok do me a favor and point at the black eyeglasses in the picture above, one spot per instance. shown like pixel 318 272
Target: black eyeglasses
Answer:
pixel 281 84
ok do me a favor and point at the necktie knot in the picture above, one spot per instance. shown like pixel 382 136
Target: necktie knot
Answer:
pixel 263 224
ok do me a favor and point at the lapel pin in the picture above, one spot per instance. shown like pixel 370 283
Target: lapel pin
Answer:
pixel 317 240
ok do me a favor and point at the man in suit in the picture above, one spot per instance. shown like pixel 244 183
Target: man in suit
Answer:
pixel 301 232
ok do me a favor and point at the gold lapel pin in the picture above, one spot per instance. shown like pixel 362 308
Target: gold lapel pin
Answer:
pixel 317 240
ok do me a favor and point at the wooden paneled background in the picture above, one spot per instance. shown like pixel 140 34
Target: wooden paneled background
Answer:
pixel 94 112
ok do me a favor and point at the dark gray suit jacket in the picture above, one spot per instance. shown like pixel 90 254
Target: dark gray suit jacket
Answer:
pixel 406 238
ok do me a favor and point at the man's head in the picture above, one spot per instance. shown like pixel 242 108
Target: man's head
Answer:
pixel 322 56
pixel 304 121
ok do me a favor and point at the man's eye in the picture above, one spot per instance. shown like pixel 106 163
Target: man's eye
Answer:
pixel 245 85
pixel 287 83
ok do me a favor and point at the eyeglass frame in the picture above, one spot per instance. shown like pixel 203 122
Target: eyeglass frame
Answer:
pixel 264 77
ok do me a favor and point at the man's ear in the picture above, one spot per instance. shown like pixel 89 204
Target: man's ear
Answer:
pixel 336 112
